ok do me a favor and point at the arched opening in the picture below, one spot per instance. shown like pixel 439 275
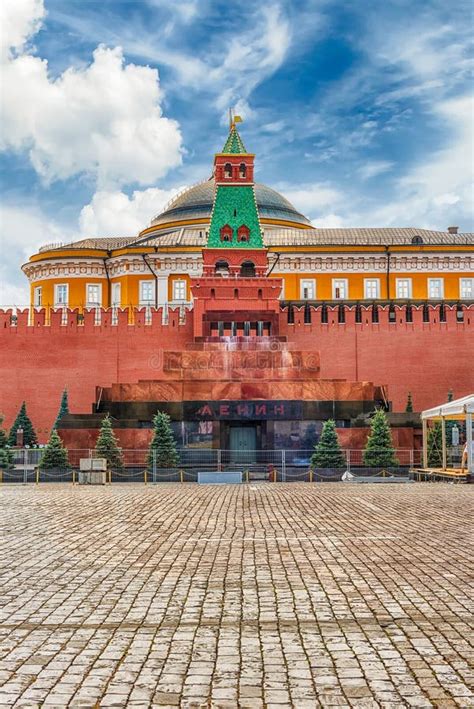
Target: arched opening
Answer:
pixel 417 240
pixel 222 268
pixel 247 270
pixel 242 170
pixel 226 233
pixel 243 233
pixel 227 170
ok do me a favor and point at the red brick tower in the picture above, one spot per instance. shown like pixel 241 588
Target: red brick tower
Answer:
pixel 235 297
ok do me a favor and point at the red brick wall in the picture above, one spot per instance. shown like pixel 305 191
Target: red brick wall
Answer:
pixel 37 362
pixel 427 359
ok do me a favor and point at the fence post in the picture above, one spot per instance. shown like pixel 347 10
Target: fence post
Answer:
pixel 310 475
pixel 283 466
pixel 181 476
pixel 411 458
pixel 246 476
pixel 110 476
pixel 73 476
pixel 145 476
pixel 37 475
pixel 348 459
pixel 154 464
pixel 219 460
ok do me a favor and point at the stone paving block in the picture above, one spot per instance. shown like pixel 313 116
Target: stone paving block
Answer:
pixel 268 595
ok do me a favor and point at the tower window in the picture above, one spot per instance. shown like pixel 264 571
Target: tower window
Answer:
pixel 222 268
pixel 227 170
pixel 243 233
pixel 242 171
pixel 226 233
pixel 247 270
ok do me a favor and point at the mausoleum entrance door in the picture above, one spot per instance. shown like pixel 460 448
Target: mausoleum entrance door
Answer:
pixel 243 444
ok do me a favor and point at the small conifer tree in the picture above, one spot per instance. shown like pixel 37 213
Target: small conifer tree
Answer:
pixel 327 452
pixel 409 406
pixel 63 408
pixel 379 450
pixel 435 445
pixel 107 445
pixel 55 454
pixel 163 445
pixel 23 421
pixel 6 456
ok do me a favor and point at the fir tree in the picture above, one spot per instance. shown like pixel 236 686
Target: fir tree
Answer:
pixel 163 445
pixel 327 452
pixel 379 450
pixel 435 445
pixel 63 408
pixel 107 445
pixel 23 421
pixel 55 454
pixel 6 455
pixel 409 406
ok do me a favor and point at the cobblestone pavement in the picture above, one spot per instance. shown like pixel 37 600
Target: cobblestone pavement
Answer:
pixel 240 596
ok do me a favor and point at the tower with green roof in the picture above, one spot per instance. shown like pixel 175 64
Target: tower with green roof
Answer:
pixel 234 218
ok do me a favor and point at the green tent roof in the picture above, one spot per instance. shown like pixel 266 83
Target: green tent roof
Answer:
pixel 235 205
pixel 234 143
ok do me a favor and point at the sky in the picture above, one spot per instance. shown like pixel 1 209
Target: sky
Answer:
pixel 359 111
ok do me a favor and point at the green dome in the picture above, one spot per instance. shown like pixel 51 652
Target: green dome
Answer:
pixel 196 203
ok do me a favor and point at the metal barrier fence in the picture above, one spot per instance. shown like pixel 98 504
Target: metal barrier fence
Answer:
pixel 259 465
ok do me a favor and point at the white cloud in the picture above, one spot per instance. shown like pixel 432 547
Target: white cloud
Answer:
pixel 19 19
pixel 373 168
pixel 310 199
pixel 104 120
pixel 117 214
pixel 24 228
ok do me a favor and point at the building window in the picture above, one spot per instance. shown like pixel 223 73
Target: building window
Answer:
pixel 435 288
pixel 243 233
pixel 61 294
pixel 403 287
pixel 38 297
pixel 147 292
pixel 116 295
pixel 226 233
pixel 227 170
pixel 371 288
pixel 179 290
pixel 308 289
pixel 340 289
pixel 466 288
pixel 242 171
pixel 93 294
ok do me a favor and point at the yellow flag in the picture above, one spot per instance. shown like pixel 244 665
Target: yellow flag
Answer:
pixel 237 119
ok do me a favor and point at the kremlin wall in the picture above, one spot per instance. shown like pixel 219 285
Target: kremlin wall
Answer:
pixel 232 312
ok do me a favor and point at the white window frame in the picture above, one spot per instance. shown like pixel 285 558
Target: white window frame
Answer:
pixel 94 303
pixel 179 285
pixel 38 296
pixel 441 288
pixel 57 303
pixel 371 281
pixel 308 283
pixel 336 285
pixel 141 285
pixel 398 282
pixel 116 288
pixel 469 282
pixel 282 292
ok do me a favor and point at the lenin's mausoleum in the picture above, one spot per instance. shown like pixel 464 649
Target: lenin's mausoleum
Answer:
pixel 243 321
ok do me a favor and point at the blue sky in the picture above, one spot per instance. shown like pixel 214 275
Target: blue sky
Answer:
pixel 359 112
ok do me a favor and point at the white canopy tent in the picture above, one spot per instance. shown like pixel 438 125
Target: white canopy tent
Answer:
pixel 459 409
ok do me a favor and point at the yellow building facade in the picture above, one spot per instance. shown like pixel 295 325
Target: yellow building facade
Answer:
pixel 154 268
